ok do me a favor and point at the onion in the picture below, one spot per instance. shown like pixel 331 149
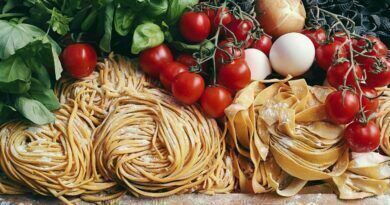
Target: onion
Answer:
pixel 279 17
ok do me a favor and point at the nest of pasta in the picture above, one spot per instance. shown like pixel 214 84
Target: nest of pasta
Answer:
pixel 281 139
pixel 116 132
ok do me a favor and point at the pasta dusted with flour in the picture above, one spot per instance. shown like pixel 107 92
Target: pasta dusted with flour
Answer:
pixel 54 159
pixel 383 121
pixel 155 147
pixel 280 136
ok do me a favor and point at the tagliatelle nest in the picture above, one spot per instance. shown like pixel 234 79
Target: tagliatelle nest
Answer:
pixel 383 120
pixel 155 147
pixel 281 137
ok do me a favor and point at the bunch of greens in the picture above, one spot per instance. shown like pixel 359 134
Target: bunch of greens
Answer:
pixel 33 32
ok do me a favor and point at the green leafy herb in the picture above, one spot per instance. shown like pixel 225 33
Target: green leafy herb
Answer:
pixel 156 8
pixel 15 75
pixel 105 42
pixel 146 36
pixel 44 95
pixel 124 18
pixel 34 111
pixel 59 22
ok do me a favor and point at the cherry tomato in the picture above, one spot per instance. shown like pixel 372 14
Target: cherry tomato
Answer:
pixel 378 75
pixel 187 60
pixel 188 87
pixel 362 137
pixel 169 73
pixel 195 26
pixel 342 37
pixel 326 54
pixel 263 44
pixel 223 14
pixel 227 46
pixel 370 102
pixel 377 47
pixel 317 36
pixel 241 30
pixel 153 60
pixel 336 73
pixel 215 100
pixel 235 75
pixel 342 107
pixel 211 14
pixel 79 60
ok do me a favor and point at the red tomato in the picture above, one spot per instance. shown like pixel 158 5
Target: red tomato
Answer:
pixel 362 137
pixel 264 44
pixel 215 100
pixel 378 75
pixel 370 102
pixel 188 87
pixel 241 30
pixel 337 72
pixel 342 108
pixel 317 36
pixel 342 37
pixel 195 26
pixel 377 47
pixel 223 14
pixel 79 60
pixel 326 54
pixel 153 60
pixel 169 73
pixel 187 60
pixel 221 56
pixel 235 75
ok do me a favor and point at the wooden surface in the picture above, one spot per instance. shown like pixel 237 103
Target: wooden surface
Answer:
pixel 221 199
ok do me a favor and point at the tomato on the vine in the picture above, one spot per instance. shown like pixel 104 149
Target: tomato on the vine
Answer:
pixel 188 87
pixel 342 106
pixel 215 100
pixel 317 36
pixel 153 60
pixel 195 26
pixel 264 44
pixel 371 46
pixel 241 30
pixel 342 38
pixel 235 75
pixel 326 54
pixel 362 137
pixel 337 72
pixel 222 15
pixel 378 75
pixel 169 73
pixel 79 60
pixel 228 48
pixel 370 101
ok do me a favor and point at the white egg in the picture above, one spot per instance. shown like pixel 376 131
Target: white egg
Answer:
pixel 292 53
pixel 258 64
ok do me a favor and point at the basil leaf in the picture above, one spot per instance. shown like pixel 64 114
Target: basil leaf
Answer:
pixel 15 75
pixel 124 18
pixel 156 8
pixel 105 42
pixel 177 8
pixel 146 36
pixel 44 95
pixel 34 111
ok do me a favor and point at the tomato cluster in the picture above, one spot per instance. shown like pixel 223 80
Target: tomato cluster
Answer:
pixel 355 65
pixel 231 73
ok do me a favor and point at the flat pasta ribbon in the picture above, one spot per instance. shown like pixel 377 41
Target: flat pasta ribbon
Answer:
pixel 383 121
pixel 282 139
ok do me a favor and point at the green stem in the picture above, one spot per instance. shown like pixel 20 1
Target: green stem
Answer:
pixel 11 15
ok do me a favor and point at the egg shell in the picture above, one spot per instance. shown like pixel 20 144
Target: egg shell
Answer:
pixel 293 54
pixel 258 64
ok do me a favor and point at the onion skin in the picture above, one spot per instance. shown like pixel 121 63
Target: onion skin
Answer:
pixel 278 17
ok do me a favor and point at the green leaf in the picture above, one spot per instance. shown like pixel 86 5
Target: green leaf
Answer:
pixel 89 20
pixel 59 22
pixel 10 4
pixel 6 112
pixel 146 36
pixel 105 42
pixel 34 111
pixel 155 8
pixel 15 36
pixel 124 18
pixel 15 75
pixel 44 95
pixel 177 8
pixel 39 72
